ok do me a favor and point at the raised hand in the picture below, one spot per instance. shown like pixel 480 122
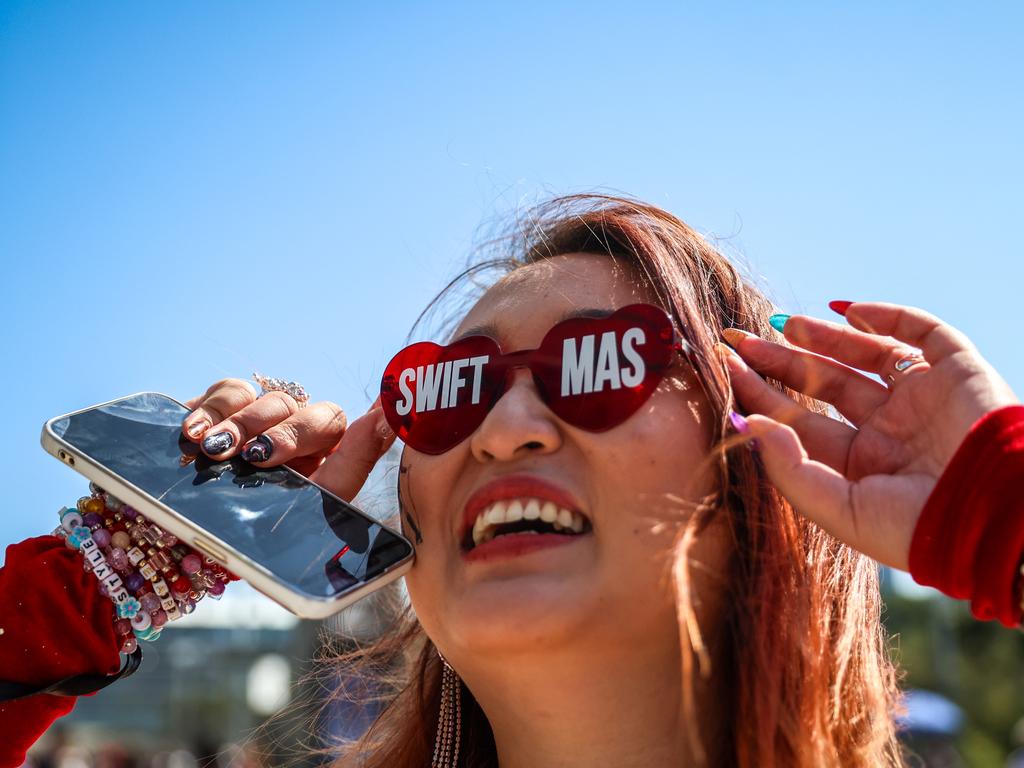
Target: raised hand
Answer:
pixel 865 481
pixel 269 430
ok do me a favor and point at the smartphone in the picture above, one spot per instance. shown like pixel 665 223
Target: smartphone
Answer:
pixel 294 541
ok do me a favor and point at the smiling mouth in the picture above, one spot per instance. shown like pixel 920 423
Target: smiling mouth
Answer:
pixel 524 517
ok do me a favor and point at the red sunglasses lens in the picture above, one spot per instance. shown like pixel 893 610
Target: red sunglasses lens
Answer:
pixel 434 397
pixel 596 373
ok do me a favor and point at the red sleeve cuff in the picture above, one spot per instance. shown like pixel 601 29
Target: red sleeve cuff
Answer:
pixel 969 539
pixel 55 624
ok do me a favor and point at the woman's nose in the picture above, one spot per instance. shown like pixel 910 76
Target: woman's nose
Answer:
pixel 518 424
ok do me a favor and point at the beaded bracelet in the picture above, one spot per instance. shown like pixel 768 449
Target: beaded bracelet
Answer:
pixel 150 576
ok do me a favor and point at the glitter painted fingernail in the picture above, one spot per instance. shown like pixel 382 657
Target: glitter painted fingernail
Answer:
pixel 218 443
pixel 259 449
pixel 778 321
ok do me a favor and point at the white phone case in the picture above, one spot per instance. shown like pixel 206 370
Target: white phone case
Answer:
pixel 258 575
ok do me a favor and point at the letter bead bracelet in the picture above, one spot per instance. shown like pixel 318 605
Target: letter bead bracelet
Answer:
pixel 150 576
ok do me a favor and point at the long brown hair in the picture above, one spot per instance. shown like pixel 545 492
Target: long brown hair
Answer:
pixel 809 672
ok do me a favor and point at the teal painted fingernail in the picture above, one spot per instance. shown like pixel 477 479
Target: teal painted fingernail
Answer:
pixel 778 322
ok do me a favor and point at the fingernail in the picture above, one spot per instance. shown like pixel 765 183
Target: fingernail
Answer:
pixel 778 322
pixel 259 449
pixel 218 443
pixel 839 307
pixel 735 336
pixel 195 430
pixel 740 425
pixel 738 422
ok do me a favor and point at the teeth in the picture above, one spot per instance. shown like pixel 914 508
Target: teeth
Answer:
pixel 514 511
pixel 488 520
pixel 532 510
pixel 549 512
pixel 496 513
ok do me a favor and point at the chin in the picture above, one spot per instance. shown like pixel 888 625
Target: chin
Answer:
pixel 523 612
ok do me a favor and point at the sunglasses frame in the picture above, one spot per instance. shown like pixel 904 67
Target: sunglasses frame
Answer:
pixel 493 385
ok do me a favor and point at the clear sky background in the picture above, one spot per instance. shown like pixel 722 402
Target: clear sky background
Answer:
pixel 193 190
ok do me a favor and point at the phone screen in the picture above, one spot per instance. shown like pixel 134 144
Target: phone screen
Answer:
pixel 309 539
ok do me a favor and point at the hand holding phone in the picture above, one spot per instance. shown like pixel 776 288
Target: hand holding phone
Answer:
pixel 271 430
pixel 292 539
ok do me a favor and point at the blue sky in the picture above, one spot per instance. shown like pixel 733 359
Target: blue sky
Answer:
pixel 193 190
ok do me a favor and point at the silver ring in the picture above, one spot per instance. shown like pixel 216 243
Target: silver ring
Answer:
pixel 905 362
pixel 292 388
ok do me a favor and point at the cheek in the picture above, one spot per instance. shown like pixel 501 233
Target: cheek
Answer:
pixel 659 453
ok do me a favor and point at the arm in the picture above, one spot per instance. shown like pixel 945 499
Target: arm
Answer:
pixel 970 537
pixel 55 624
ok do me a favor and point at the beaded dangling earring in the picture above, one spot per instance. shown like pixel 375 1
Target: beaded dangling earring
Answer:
pixel 449 719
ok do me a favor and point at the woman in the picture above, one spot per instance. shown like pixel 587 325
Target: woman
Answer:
pixel 704 603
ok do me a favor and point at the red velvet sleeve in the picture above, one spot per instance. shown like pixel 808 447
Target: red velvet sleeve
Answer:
pixel 54 623
pixel 969 539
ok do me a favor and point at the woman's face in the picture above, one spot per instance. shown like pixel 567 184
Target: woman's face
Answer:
pixel 634 485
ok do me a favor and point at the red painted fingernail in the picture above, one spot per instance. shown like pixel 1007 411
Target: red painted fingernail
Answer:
pixel 839 306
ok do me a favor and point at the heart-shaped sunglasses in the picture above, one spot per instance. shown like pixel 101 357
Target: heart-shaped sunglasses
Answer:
pixel 592 373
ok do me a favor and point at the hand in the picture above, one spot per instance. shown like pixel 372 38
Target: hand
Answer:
pixel 866 484
pixel 268 431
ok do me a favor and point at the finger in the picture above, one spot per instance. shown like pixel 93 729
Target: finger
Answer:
pixel 226 438
pixel 918 328
pixel 848 511
pixel 853 394
pixel 221 400
pixel 848 345
pixel 366 440
pixel 827 439
pixel 310 431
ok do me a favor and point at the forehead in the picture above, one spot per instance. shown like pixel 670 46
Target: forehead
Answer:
pixel 520 308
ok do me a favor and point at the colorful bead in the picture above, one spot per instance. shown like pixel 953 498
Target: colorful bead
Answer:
pixel 159 618
pixel 135 581
pixel 123 627
pixel 119 559
pixel 135 555
pixel 167 540
pixel 128 608
pixel 182 586
pixel 91 519
pixel 129 645
pixel 149 633
pixel 149 602
pixel 121 540
pixel 191 564
pixel 94 505
pixel 111 503
pixel 215 590
pixel 129 512
pixel 101 537
pixel 70 518
pixel 78 535
pixel 160 561
pixel 141 621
